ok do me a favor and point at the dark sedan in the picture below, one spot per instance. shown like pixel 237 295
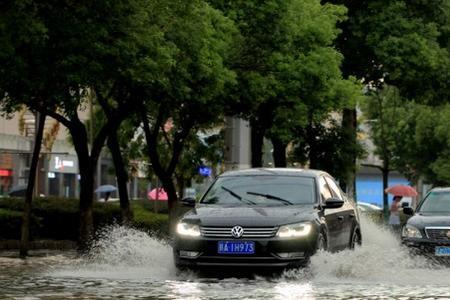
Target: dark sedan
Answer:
pixel 428 230
pixel 266 218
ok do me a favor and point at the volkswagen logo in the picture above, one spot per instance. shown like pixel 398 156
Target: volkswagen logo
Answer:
pixel 237 231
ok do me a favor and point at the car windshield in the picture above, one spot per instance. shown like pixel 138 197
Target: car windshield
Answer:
pixel 437 201
pixel 263 190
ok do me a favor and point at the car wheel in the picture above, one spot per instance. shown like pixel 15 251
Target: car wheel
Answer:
pixel 355 239
pixel 321 242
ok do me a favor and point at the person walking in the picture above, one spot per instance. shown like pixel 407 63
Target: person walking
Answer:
pixel 394 214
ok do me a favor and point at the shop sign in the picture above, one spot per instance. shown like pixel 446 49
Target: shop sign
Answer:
pixel 5 173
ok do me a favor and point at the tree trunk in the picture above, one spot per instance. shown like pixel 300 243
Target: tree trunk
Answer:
pixel 385 172
pixel 279 153
pixel 87 167
pixel 181 183
pixel 257 142
pixel 171 191
pixel 87 175
pixel 122 178
pixel 349 127
pixel 24 241
pixel 311 140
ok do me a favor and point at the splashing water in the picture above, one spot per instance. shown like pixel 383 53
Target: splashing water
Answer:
pixel 380 259
pixel 124 253
pixel 128 263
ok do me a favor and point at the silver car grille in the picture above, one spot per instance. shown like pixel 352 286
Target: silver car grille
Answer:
pixel 438 233
pixel 249 232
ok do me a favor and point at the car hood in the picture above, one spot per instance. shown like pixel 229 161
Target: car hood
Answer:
pixel 428 219
pixel 214 215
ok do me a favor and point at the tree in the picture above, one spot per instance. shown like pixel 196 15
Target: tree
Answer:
pixel 285 64
pixel 381 109
pixel 409 137
pixel 401 43
pixel 192 97
pixel 33 31
pixel 76 48
pixel 94 124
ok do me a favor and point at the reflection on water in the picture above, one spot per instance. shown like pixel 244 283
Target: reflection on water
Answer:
pixel 127 263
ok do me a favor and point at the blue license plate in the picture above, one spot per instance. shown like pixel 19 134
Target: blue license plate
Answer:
pixel 236 247
pixel 442 251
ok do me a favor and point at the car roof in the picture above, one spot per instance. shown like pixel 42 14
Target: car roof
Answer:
pixel 275 171
pixel 440 189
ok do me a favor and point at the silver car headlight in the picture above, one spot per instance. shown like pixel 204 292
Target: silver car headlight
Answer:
pixel 187 229
pixel 411 232
pixel 294 230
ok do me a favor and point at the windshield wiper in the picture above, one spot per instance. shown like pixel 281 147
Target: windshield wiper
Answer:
pixel 272 197
pixel 237 196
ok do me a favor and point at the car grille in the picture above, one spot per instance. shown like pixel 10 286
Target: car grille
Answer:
pixel 249 232
pixel 437 233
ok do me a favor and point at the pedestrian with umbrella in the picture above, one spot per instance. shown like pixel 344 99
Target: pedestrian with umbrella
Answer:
pixel 399 191
pixel 394 214
pixel 107 189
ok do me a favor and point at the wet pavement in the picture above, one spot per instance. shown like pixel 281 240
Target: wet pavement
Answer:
pixel 129 264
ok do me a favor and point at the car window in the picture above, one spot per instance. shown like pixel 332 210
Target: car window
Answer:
pixel 334 188
pixel 264 190
pixel 437 201
pixel 325 192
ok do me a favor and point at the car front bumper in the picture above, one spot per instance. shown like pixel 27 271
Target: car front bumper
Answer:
pixel 425 246
pixel 269 253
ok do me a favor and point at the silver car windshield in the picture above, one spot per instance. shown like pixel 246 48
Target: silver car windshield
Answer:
pixel 435 202
pixel 262 190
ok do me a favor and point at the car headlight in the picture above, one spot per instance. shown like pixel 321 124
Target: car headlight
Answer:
pixel 294 230
pixel 187 229
pixel 411 232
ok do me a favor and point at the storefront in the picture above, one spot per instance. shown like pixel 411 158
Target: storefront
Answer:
pixel 62 176
pixel 6 180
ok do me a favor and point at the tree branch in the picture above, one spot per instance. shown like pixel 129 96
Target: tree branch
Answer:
pixel 178 144
pixel 58 117
pixel 151 138
pixel 166 137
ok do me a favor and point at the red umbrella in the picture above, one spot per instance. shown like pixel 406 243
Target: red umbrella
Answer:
pixel 401 190
pixel 158 194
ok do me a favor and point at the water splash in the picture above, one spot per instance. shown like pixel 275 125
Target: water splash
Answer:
pixel 128 263
pixel 130 254
pixel 381 259
pixel 124 253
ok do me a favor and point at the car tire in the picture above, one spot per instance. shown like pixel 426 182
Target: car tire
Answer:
pixel 355 239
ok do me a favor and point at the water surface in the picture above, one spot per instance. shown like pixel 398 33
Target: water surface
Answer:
pixel 129 264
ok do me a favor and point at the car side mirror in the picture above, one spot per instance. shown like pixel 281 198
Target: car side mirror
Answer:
pixel 189 201
pixel 408 211
pixel 333 203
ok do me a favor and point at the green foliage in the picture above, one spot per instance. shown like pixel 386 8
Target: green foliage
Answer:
pixel 10 222
pixel 149 221
pixel 382 108
pixel 404 42
pixel 413 138
pixel 288 70
pixel 58 218
pixel 194 95
pixel 332 149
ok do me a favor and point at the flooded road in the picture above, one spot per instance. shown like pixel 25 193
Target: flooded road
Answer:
pixel 128 264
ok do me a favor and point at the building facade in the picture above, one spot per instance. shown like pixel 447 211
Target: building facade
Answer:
pixel 57 173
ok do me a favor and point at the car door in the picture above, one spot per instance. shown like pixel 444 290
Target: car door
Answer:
pixel 346 214
pixel 331 216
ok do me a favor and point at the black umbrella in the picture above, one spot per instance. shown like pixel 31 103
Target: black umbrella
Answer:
pixel 18 191
pixel 107 188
